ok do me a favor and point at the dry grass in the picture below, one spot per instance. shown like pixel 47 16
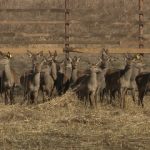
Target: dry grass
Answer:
pixel 64 123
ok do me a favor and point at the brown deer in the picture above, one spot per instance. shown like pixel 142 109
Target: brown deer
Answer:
pixel 88 87
pixel 64 76
pixel 49 76
pixel 8 78
pixel 122 80
pixel 143 83
pixel 34 58
pixel 75 71
pixel 33 84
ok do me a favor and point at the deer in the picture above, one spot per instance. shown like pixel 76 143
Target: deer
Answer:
pixel 143 83
pixel 34 58
pixel 122 80
pixel 49 76
pixel 64 75
pixel 33 84
pixel 8 78
pixel 87 89
pixel 75 71
pixel 104 63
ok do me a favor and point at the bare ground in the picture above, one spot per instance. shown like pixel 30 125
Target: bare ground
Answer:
pixel 65 123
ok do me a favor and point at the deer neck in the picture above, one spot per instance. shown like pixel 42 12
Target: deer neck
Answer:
pixel 93 78
pixel 54 70
pixel 74 74
pixel 8 72
pixel 135 72
pixel 36 79
pixel 47 70
pixel 127 72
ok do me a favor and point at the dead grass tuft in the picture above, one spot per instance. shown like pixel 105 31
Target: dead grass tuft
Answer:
pixel 65 123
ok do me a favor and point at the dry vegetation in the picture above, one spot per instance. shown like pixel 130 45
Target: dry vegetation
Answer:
pixel 64 123
pixel 111 22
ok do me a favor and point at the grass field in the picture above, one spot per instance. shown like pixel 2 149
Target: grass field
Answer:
pixel 65 123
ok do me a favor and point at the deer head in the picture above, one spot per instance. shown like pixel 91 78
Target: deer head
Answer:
pixel 75 62
pixel 53 56
pixel 5 57
pixel 35 57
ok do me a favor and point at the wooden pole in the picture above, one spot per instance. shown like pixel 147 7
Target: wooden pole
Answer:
pixel 141 24
pixel 67 13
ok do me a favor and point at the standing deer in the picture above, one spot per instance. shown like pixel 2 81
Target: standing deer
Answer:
pixel 75 72
pixel 64 76
pixel 122 80
pixel 33 84
pixel 143 83
pixel 105 61
pixel 88 87
pixel 49 76
pixel 8 78
pixel 24 78
pixel 104 65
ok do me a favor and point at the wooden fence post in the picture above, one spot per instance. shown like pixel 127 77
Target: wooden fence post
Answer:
pixel 67 23
pixel 141 24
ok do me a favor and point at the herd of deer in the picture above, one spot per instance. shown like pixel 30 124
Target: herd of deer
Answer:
pixel 98 83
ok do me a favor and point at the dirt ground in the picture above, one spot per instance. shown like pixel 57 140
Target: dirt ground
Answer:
pixel 65 123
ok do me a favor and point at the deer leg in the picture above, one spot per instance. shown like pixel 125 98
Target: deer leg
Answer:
pixel 93 99
pixel 141 97
pixel 12 96
pixel 103 95
pixel 133 92
pixel 43 93
pixel 97 95
pixel 122 97
pixel 90 99
pixel 28 97
pixel 49 92
pixel 112 96
pixel 36 97
pixel 6 97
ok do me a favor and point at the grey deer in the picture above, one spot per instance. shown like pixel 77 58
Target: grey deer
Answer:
pixel 26 75
pixel 8 78
pixel 64 75
pixel 33 84
pixel 143 83
pixel 122 80
pixel 88 87
pixel 49 76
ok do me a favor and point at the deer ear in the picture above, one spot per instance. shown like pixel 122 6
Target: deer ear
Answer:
pixel 138 57
pixel 1 53
pixel 9 55
pixel 78 59
pixel 70 59
pixel 50 53
pixel 40 53
pixel 29 53
pixel 75 58
pixel 55 53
